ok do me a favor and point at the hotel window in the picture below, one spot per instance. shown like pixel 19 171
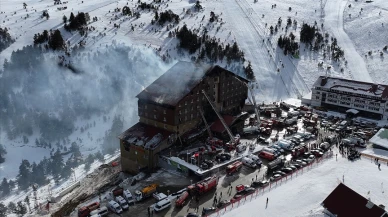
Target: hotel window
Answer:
pixel 192 100
pixel 145 106
pixel 164 119
pixel 146 114
pixel 164 111
pixel 192 116
pixel 185 118
pixel 165 126
pixel 185 111
pixel 185 102
pixel 154 116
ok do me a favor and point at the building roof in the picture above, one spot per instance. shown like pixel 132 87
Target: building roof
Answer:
pixel 380 138
pixel 353 86
pixel 177 82
pixel 344 202
pixel 145 135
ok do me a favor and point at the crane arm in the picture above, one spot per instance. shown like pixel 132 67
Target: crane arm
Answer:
pixel 220 117
pixel 206 125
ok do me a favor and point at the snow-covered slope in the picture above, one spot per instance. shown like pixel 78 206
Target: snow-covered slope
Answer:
pixel 334 15
pixel 303 195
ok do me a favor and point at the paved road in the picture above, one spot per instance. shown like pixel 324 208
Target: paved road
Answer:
pixel 334 20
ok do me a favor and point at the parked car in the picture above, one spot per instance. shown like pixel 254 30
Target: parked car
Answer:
pixel 123 203
pixel 247 191
pixel 296 165
pixel 275 177
pixel 286 170
pixel 192 215
pixel 279 172
pixel 259 184
pixel 114 207
pixel 223 204
pixel 208 210
pixel 300 162
pixel 236 198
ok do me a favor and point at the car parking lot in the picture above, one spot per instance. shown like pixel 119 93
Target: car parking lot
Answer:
pixel 288 149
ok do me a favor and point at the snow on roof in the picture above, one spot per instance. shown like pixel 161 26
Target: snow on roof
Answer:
pixel 303 194
pixel 352 86
pixel 380 138
pixel 354 111
pixel 345 202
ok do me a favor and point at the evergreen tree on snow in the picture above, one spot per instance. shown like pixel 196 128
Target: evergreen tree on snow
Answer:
pixel 3 210
pixel 4 187
pixel 24 175
pixel 71 17
pixel 56 41
pixel 3 152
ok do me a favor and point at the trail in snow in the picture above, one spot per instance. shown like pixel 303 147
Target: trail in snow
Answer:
pixel 334 20
pixel 289 75
pixel 256 52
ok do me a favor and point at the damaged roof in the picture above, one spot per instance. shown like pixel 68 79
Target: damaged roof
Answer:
pixel 177 82
pixel 144 135
pixel 344 202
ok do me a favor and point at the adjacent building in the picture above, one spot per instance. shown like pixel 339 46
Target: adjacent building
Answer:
pixel 172 105
pixel 344 202
pixel 380 139
pixel 369 100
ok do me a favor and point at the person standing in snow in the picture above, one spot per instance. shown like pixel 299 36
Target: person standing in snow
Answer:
pixel 266 205
pixel 379 166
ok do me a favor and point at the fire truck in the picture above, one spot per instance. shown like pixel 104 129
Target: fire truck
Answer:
pixel 203 186
pixel 234 167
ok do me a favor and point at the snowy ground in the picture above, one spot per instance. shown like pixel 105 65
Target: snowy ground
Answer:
pixel 312 187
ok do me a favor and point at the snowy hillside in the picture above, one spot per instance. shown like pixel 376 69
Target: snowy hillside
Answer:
pixel 119 55
pixel 312 187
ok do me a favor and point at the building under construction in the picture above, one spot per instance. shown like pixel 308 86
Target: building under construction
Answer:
pixel 175 105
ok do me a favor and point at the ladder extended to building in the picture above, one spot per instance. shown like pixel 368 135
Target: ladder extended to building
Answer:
pixel 220 117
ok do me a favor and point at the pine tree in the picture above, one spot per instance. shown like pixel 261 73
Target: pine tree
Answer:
pixel 56 165
pixel 27 201
pixel 3 210
pixel 24 175
pixel 198 5
pixel 71 17
pixel 249 71
pixel 3 152
pixel 56 41
pixel 24 5
pixel 88 162
pixel 64 18
pixel 156 16
pixel 12 207
pixel 21 209
pixel 74 148
pixel 99 156
pixel 4 187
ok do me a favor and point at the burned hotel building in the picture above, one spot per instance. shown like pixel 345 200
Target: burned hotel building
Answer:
pixel 171 106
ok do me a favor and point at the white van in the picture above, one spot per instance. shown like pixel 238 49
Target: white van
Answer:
pixel 102 211
pixel 128 196
pixel 123 203
pixel 255 159
pixel 161 205
pixel 248 162
pixel 115 207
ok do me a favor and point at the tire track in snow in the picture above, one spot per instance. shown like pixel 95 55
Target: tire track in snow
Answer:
pixel 334 20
